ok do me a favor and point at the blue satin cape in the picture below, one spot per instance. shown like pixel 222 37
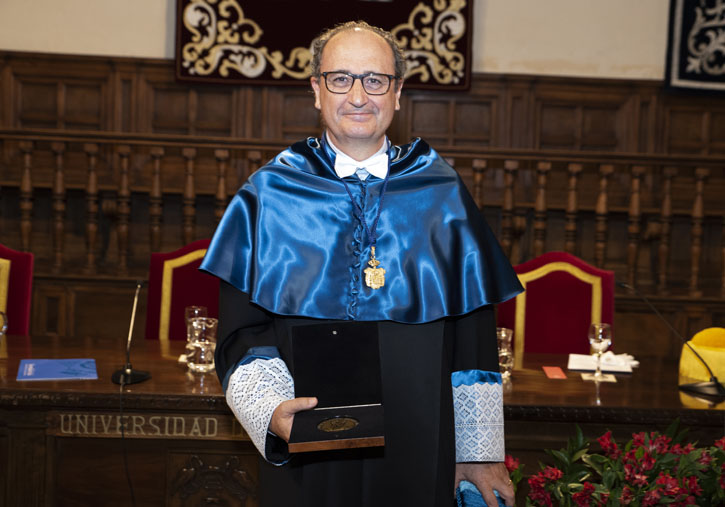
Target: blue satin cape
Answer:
pixel 289 238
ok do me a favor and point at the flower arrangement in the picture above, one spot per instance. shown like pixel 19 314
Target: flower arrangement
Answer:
pixel 650 469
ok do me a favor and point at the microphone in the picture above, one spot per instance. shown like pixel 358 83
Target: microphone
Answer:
pixel 709 390
pixel 127 375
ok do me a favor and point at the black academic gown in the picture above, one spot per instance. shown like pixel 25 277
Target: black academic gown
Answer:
pixel 416 466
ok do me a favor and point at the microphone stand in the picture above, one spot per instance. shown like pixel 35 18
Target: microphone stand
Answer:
pixel 708 390
pixel 127 375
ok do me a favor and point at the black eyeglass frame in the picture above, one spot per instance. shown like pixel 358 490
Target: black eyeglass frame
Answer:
pixel 391 78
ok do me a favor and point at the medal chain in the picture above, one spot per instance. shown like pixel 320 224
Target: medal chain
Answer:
pixel 358 212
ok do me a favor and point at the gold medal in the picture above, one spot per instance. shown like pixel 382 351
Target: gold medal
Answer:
pixel 374 276
pixel 336 424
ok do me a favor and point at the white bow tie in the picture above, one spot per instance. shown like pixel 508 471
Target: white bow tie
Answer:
pixel 377 165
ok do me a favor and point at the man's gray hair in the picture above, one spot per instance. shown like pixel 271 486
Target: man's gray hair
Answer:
pixel 318 45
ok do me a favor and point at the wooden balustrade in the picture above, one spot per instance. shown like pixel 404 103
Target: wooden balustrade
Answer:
pixel 572 207
pixel 542 169
pixel 123 210
pixel 26 195
pixel 91 150
pixel 479 171
pixel 59 206
pixel 140 194
pixel 602 210
pixel 665 226
pixel 696 231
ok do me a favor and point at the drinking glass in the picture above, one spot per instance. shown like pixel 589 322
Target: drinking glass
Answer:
pixel 505 351
pixel 600 338
pixel 189 313
pixel 203 343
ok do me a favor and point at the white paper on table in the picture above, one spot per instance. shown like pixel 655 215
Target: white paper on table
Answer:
pixel 611 363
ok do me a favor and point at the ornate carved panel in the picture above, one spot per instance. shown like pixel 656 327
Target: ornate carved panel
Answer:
pixel 211 479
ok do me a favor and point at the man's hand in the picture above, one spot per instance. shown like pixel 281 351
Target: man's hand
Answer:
pixel 284 414
pixel 487 477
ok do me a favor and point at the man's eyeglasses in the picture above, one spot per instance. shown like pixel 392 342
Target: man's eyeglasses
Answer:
pixel 372 82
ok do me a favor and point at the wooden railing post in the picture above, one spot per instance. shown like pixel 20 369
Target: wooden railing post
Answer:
pixel 220 201
pixel 254 162
pixel 124 208
pixel 91 150
pixel 701 174
pixel 479 170
pixel 634 227
pixel 572 208
pixel 189 197
pixel 663 251
pixel 542 170
pixel 26 195
pixel 602 211
pixel 156 202
pixel 510 167
pixel 59 205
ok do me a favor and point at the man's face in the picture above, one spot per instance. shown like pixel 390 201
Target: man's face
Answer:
pixel 356 122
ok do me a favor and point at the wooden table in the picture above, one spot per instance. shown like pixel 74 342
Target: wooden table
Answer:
pixel 543 413
pixel 60 441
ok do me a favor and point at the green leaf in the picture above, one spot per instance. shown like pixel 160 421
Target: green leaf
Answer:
pixel 561 457
pixel 579 438
pixel 594 463
pixel 578 455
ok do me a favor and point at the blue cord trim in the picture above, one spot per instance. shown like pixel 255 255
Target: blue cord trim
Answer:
pixel 470 377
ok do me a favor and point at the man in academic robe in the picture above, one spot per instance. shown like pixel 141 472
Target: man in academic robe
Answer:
pixel 350 228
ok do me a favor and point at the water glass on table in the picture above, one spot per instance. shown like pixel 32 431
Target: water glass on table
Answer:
pixel 200 359
pixel 600 338
pixel 505 351
pixel 189 313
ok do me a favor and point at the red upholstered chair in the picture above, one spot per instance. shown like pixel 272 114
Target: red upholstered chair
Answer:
pixel 16 287
pixel 563 296
pixel 175 283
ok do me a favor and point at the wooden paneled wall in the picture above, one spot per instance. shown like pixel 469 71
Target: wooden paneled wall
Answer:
pixel 105 160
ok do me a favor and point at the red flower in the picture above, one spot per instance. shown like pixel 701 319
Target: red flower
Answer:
pixel 647 462
pixel 670 485
pixel 661 444
pixel 652 497
pixel 583 498
pixel 552 473
pixel 720 444
pixel 627 496
pixel 538 493
pixel 609 446
pixel 511 463
pixel 690 483
pixel 638 439
pixel 705 459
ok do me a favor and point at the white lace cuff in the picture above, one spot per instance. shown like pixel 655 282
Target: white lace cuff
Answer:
pixel 478 415
pixel 254 392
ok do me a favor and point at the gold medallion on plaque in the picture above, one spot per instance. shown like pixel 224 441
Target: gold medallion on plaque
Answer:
pixel 335 424
pixel 374 275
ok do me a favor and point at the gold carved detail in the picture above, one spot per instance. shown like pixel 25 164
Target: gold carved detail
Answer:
pixel 430 39
pixel 223 39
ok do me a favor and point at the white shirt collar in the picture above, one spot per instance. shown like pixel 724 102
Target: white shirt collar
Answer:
pixel 345 166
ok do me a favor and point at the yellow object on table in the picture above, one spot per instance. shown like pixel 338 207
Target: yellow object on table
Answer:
pixel 710 344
